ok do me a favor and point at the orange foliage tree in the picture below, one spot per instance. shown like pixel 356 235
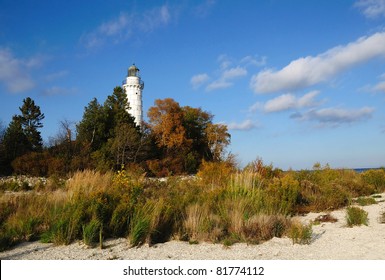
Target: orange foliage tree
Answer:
pixel 184 136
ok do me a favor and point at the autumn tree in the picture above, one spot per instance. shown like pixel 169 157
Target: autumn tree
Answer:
pixel 166 122
pixel 185 136
pixel 218 138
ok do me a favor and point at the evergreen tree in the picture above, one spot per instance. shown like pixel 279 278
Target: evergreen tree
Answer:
pixel 91 129
pixel 30 121
pixel 116 106
pixel 110 131
pixel 14 144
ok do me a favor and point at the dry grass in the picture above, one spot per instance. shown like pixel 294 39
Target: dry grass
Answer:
pixel 264 227
pixel 300 233
pixel 83 183
pixel 220 205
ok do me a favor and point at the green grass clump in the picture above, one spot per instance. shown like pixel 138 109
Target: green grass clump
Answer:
pixel 356 216
pixel 92 233
pixel 364 201
pixel 299 233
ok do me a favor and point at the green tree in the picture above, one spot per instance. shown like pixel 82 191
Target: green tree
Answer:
pixel 91 129
pixel 126 144
pixel 14 144
pixel 2 149
pixel 108 132
pixel 116 109
pixel 31 120
pixel 196 121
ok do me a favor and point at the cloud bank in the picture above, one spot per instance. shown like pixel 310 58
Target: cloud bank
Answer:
pixel 311 70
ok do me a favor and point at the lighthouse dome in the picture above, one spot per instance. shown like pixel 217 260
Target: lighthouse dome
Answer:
pixel 133 71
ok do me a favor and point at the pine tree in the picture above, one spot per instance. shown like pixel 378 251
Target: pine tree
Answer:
pixel 14 144
pixel 30 121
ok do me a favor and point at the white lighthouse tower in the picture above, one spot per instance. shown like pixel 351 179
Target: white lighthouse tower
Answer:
pixel 133 86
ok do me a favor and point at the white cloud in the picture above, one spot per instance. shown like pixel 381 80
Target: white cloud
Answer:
pixel 218 84
pixel 228 70
pixel 198 80
pixel 286 102
pixel 234 73
pixel 56 75
pixel 14 72
pixel 226 78
pixel 224 61
pixel 372 8
pixel 308 71
pixel 380 87
pixel 115 26
pixel 336 116
pixel 152 19
pixel 245 125
pixel 55 90
pixel 203 9
pixel 290 101
pixel 254 60
pixel 124 26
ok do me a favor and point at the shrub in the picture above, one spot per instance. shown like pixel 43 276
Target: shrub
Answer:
pixel 264 227
pixel 356 216
pixel 299 233
pixel 282 195
pixel 215 174
pixel 375 178
pixel 364 201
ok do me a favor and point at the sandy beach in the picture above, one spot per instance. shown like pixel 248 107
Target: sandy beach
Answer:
pixel 330 241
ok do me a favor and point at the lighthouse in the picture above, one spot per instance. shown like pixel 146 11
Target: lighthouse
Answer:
pixel 133 86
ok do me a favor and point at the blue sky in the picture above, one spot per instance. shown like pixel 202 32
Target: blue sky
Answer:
pixel 297 82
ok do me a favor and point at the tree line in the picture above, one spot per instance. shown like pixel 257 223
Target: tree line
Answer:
pixel 175 140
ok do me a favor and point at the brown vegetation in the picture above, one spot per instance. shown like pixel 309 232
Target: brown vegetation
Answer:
pixel 221 204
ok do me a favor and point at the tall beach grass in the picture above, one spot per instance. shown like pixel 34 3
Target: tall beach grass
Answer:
pixel 221 204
